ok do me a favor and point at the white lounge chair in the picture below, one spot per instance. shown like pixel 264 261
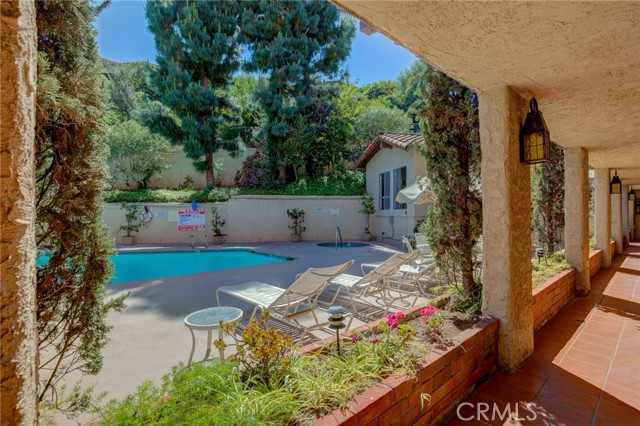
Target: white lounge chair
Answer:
pixel 422 244
pixel 375 283
pixel 285 302
pixel 407 268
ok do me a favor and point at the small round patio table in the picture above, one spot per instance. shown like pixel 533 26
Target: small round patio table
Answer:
pixel 209 319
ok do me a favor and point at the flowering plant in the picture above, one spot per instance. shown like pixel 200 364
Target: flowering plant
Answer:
pixel 433 319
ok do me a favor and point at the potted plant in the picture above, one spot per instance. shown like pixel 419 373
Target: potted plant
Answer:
pixel 132 224
pixel 297 216
pixel 368 208
pixel 216 224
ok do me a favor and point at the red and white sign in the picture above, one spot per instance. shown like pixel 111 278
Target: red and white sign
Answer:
pixel 191 220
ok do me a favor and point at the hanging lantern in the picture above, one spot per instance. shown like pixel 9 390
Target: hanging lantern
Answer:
pixel 535 141
pixel 632 194
pixel 615 187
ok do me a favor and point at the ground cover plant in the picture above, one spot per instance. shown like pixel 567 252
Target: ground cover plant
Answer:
pixel 543 270
pixel 167 195
pixel 268 382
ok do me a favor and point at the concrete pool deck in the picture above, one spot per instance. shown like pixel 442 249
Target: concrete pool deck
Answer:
pixel 149 336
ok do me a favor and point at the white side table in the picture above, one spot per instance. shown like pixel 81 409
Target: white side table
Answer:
pixel 209 319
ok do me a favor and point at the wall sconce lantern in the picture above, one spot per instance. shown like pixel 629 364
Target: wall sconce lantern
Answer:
pixel 632 194
pixel 615 187
pixel 535 141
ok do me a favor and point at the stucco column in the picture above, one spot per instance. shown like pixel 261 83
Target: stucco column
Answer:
pixel 631 216
pixel 506 211
pixel 17 197
pixel 616 221
pixel 603 215
pixel 625 214
pixel 576 215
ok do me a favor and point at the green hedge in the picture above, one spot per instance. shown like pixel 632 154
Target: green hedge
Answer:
pixel 167 196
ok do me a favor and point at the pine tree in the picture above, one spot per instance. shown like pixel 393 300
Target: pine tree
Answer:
pixel 452 155
pixel 70 174
pixel 197 44
pixel 548 199
pixel 296 43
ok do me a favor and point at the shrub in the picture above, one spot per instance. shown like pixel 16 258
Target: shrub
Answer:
pixel 168 196
pixel 297 217
pixel 252 172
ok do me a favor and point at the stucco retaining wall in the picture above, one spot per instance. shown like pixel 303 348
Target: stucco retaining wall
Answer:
pixel 251 219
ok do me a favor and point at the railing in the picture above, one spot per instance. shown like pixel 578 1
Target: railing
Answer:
pixel 204 241
pixel 338 236
pixel 191 243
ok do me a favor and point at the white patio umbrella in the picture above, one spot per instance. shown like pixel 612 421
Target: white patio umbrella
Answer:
pixel 416 193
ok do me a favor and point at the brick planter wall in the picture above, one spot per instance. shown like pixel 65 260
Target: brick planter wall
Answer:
pixel 549 298
pixel 448 376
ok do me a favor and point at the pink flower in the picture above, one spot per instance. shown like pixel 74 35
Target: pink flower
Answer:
pixel 392 321
pixel 399 315
pixel 428 311
pixel 355 339
pixel 375 340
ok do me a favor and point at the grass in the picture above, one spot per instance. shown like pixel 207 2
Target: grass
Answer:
pixel 542 271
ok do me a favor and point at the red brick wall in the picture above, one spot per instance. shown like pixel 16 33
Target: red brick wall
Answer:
pixel 448 376
pixel 595 262
pixel 550 297
pixel 559 290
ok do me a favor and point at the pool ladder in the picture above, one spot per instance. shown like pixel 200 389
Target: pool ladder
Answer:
pixel 192 244
pixel 338 237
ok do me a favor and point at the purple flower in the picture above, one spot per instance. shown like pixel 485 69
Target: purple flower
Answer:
pixel 375 340
pixel 355 339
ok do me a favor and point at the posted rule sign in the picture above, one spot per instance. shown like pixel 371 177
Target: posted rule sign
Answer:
pixel 191 220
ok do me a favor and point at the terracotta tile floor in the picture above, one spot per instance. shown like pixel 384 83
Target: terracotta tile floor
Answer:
pixel 586 367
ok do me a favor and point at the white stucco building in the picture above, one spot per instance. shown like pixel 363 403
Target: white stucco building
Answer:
pixel 393 162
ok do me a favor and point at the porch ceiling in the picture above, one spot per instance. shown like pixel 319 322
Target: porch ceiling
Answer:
pixel 581 60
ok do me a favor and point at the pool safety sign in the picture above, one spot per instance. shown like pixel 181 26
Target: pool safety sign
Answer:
pixel 191 220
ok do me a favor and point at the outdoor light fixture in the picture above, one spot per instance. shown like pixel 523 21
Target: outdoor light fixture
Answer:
pixel 540 254
pixel 535 141
pixel 632 194
pixel 337 321
pixel 615 187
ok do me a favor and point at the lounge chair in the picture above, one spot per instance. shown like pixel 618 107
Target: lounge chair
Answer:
pixel 407 268
pixel 375 283
pixel 285 302
pixel 422 244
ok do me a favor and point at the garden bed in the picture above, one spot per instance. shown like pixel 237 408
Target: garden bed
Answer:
pixel 317 380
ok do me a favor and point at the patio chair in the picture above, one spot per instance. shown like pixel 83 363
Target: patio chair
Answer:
pixel 422 243
pixel 375 283
pixel 407 268
pixel 285 302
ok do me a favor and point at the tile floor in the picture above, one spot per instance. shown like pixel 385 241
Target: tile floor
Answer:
pixel 586 367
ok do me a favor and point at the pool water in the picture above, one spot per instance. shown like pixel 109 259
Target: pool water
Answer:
pixel 144 266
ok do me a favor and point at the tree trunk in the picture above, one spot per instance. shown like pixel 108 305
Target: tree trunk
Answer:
pixel 211 181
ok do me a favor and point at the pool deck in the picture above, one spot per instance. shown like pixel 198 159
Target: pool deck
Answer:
pixel 149 336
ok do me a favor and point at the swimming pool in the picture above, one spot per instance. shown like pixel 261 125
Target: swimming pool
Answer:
pixel 149 265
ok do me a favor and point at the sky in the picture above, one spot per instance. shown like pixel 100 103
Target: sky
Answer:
pixel 123 36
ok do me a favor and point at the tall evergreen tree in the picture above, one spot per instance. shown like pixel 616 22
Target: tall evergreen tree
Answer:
pixel 197 56
pixel 296 43
pixel 452 155
pixel 70 174
pixel 548 199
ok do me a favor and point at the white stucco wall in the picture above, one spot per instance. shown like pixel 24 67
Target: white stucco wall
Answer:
pixel 386 160
pixel 251 219
pixel 181 167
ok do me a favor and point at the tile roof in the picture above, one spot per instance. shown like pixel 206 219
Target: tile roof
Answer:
pixel 388 140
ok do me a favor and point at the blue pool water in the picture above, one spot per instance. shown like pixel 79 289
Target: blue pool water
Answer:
pixel 144 266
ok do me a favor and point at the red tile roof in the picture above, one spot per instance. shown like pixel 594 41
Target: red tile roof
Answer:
pixel 388 140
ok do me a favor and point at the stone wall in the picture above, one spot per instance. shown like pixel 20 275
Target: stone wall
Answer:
pixel 251 219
